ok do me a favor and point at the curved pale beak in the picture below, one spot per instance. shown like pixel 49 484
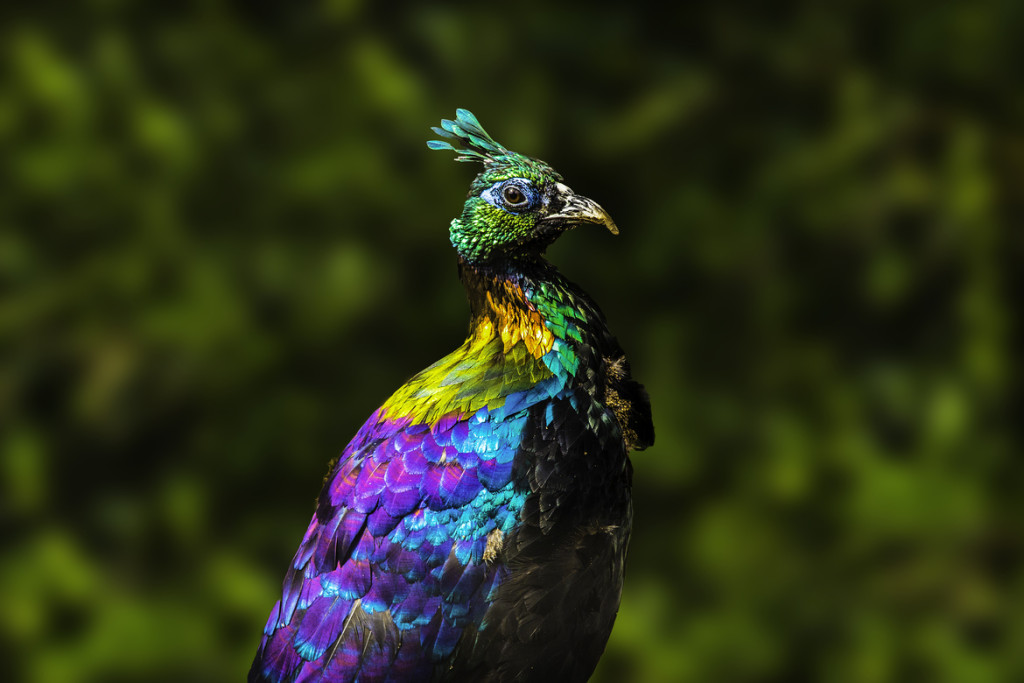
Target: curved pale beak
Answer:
pixel 578 209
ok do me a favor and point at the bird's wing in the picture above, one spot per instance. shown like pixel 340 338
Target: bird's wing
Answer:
pixel 553 613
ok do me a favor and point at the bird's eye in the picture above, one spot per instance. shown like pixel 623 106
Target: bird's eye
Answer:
pixel 513 196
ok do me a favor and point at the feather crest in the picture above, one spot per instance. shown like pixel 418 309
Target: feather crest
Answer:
pixel 468 138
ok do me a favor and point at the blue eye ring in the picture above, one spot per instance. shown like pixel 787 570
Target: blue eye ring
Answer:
pixel 514 195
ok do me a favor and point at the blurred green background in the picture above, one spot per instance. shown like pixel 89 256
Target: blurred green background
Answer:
pixel 223 243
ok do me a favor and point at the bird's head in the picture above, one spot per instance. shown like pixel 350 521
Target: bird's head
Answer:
pixel 517 206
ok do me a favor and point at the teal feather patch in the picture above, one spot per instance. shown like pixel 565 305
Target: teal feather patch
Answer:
pixel 466 136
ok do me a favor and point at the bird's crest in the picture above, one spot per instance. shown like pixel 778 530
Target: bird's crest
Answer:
pixel 471 142
pixel 466 136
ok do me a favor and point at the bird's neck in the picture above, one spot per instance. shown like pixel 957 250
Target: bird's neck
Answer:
pixel 528 325
pixel 519 301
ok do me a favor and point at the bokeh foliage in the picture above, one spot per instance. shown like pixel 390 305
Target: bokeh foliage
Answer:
pixel 223 243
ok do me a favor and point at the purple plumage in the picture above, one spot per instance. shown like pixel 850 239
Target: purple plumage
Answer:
pixel 475 527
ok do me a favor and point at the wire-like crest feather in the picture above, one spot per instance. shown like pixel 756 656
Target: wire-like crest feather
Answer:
pixel 468 138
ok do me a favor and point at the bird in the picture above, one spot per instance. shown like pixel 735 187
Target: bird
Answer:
pixel 476 526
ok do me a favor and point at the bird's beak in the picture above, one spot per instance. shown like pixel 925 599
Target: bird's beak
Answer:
pixel 578 209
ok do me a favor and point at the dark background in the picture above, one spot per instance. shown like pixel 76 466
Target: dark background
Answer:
pixel 223 243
